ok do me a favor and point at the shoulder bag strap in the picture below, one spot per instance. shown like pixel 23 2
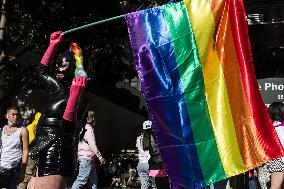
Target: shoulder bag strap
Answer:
pixel 1 129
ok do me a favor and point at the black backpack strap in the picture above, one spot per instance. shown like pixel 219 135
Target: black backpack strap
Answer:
pixel 1 129
pixel 82 134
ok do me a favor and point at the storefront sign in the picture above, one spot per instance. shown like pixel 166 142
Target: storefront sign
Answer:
pixel 272 90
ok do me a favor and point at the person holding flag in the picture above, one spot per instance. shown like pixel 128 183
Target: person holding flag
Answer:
pixel 54 147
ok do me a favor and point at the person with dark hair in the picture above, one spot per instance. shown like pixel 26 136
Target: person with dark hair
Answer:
pixel 156 165
pixel 55 144
pixel 143 146
pixel 276 166
pixel 116 170
pixel 131 175
pixel 88 152
pixel 14 150
pixel 273 170
pixel 143 157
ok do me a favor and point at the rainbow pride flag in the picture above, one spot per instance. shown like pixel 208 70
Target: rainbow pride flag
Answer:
pixel 195 65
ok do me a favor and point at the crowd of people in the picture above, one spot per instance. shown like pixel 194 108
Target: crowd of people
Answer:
pixel 143 170
pixel 58 149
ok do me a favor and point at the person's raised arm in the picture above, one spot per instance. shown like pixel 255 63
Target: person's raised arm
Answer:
pixel 55 39
pixel 78 85
pixel 46 78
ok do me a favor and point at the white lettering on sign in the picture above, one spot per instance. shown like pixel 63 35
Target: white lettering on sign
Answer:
pixel 273 87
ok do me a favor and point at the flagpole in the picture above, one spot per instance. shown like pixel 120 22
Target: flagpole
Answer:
pixel 93 24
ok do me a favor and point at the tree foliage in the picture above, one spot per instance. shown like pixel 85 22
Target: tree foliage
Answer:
pixel 106 48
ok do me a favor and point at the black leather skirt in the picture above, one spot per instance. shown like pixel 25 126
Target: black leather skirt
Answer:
pixel 53 148
pixel 57 158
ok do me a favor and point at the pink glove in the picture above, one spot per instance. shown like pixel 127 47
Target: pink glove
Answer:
pixel 55 39
pixel 76 89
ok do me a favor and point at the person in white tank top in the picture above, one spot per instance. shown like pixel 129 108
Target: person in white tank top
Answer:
pixel 13 150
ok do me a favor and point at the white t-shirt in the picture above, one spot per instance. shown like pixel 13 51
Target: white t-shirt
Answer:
pixel 143 156
pixel 279 130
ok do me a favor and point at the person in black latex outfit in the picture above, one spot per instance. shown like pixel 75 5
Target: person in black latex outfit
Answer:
pixel 54 146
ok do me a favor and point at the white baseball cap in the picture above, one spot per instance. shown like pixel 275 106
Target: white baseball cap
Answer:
pixel 147 124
